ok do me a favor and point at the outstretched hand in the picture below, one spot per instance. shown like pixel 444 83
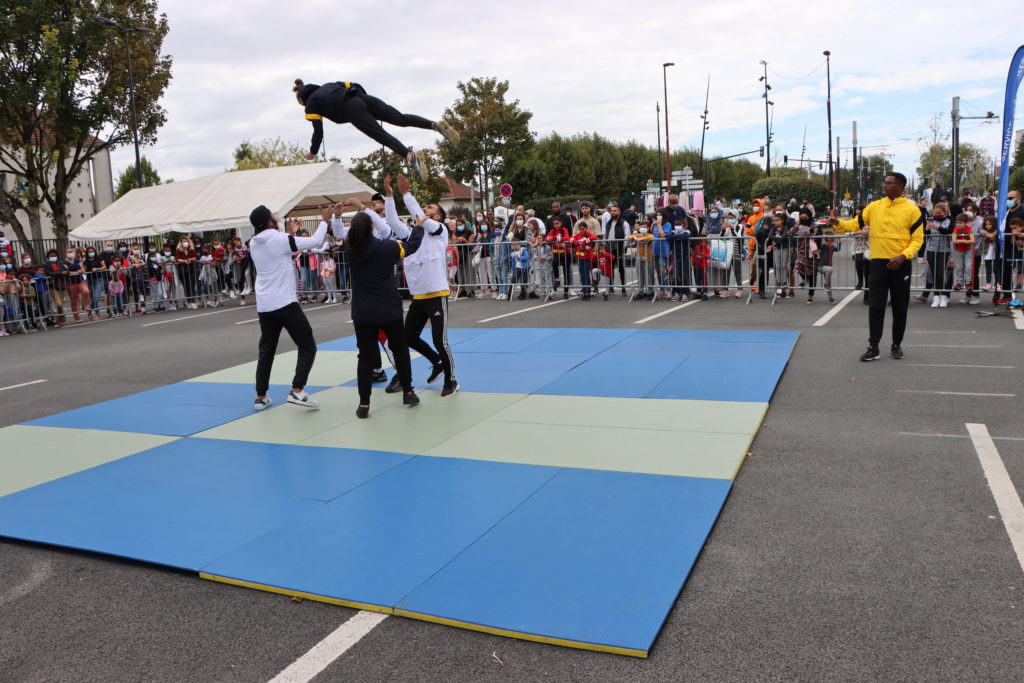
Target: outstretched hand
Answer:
pixel 403 184
pixel 326 213
pixel 421 219
pixel 387 186
pixel 352 201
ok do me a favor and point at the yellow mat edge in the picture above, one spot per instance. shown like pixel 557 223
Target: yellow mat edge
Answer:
pixel 298 594
pixel 580 645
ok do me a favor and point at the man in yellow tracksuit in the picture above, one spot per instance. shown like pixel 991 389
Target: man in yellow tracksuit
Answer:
pixel 895 234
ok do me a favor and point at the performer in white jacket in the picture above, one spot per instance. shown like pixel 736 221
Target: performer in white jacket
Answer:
pixel 278 305
pixel 426 272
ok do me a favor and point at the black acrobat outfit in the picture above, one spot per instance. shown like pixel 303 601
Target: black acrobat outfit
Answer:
pixel 346 102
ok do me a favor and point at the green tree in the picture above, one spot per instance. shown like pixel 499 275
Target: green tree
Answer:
pixel 267 153
pixel 936 164
pixel 371 170
pixel 495 132
pixel 63 81
pixel 782 189
pixel 127 181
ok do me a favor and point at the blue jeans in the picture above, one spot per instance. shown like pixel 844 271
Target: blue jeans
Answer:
pixel 309 281
pixel 584 271
pixel 501 276
pixel 97 287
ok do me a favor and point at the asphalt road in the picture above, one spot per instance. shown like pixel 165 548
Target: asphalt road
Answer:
pixel 857 543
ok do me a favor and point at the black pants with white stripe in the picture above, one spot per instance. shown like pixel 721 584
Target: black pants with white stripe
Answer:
pixel 434 310
pixel 292 319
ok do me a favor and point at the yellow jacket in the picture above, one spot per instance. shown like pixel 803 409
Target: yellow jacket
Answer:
pixel 897 227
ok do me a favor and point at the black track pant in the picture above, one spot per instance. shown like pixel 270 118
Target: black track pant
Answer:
pixel 563 261
pixel 366 111
pixel 369 355
pixel 619 250
pixel 885 285
pixel 292 319
pixel 434 310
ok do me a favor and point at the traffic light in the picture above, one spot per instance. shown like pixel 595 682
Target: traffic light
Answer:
pixel 785 160
pixel 762 150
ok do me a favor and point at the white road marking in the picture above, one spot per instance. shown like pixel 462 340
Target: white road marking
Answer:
pixel 941 332
pixel 953 393
pixel 957 365
pixel 526 310
pixel 308 310
pixel 24 384
pixel 39 573
pixel 188 317
pixel 823 320
pixel 1018 319
pixel 671 310
pixel 950 346
pixel 306 667
pixel 1007 500
pixel 960 436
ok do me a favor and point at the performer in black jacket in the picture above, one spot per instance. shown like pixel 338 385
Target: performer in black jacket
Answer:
pixel 346 102
pixel 377 305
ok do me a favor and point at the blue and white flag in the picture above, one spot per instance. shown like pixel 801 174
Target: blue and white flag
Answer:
pixel 1013 81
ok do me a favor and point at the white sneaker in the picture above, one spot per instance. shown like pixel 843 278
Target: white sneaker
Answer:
pixel 246 291
pixel 500 297
pixel 965 300
pixel 261 403
pixel 974 301
pixel 302 399
pixel 241 302
pixel 936 301
pixel 943 301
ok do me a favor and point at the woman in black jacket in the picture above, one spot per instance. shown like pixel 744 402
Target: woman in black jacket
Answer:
pixel 377 305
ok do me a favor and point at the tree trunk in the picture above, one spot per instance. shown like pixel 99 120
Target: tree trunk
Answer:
pixel 7 212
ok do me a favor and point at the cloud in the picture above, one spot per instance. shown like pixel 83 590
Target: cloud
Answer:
pixel 578 65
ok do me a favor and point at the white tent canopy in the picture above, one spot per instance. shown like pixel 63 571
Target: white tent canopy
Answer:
pixel 223 201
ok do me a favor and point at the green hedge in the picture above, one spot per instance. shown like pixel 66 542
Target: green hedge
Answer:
pixel 781 190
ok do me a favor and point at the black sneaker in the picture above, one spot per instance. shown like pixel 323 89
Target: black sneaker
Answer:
pixel 394 386
pixel 379 376
pixel 450 388
pixel 533 295
pixel 896 352
pixel 410 399
pixel 871 354
pixel 363 412
pixel 435 372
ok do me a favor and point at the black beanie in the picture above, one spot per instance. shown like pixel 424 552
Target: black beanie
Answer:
pixel 259 217
pixel 377 197
pixel 307 90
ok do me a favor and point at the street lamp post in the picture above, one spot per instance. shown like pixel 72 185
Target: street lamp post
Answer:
pixel 131 87
pixel 668 147
pixel 657 120
pixel 705 124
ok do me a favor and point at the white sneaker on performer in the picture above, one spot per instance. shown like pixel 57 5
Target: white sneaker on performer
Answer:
pixel 302 399
pixel 449 133
pixel 261 403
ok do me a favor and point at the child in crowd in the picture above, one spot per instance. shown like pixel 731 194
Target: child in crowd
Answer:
pixel 700 258
pixel 989 240
pixel 209 292
pixel 583 247
pixel 1016 255
pixel 329 276
pixel 10 289
pixel 543 258
pixel 115 289
pixel 29 296
pixel 644 260
pixel 42 293
pixel 522 275
pixel 828 249
pixel 963 254
pixel 604 264
pixel 451 258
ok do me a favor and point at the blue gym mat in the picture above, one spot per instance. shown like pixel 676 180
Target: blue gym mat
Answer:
pixel 376 544
pixel 722 379
pixel 456 335
pixel 587 560
pixel 178 409
pixel 620 376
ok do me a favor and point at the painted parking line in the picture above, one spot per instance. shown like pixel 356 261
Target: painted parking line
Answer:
pixel 823 320
pixel 958 365
pixel 1018 319
pixel 671 310
pixel 188 317
pixel 24 384
pixel 951 346
pixel 306 667
pixel 1008 502
pixel 959 436
pixel 526 310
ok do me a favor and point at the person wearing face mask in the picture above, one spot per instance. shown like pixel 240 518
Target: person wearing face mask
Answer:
pixel 136 274
pixel 78 288
pixel 501 260
pixel 482 256
pixel 95 276
pixel 1004 251
pixel 975 221
pixel 185 258
pixel 56 280
pixel 937 250
pixel 463 246
pixel 732 232
pixel 28 266
pixel 559 238
pixel 155 279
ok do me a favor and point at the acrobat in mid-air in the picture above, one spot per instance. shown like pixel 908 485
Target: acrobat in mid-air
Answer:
pixel 345 102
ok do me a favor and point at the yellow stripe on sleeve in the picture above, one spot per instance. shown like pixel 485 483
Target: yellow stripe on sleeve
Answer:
pixel 314 117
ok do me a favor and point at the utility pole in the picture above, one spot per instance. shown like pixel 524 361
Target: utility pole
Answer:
pixel 957 118
pixel 828 109
pixel 704 128
pixel 856 171
pixel 668 147
pixel 657 120
pixel 767 129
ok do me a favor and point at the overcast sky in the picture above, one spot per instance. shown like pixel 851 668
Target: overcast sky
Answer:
pixel 589 66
